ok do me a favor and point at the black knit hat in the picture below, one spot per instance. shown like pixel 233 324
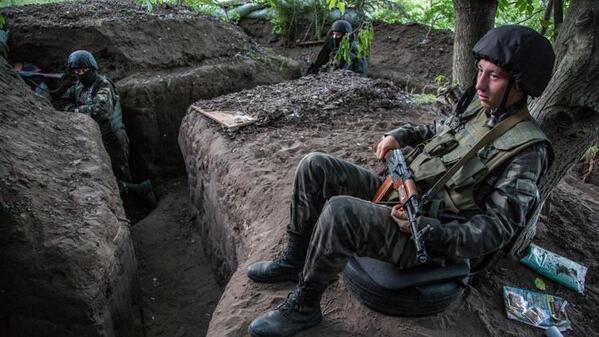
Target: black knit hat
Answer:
pixel 341 26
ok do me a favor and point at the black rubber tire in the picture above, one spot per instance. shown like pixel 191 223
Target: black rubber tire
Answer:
pixel 415 301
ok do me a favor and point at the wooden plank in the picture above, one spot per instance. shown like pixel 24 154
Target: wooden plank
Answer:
pixel 229 119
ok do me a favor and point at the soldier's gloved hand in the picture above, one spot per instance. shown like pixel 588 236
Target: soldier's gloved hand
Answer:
pixel 398 214
pixel 386 144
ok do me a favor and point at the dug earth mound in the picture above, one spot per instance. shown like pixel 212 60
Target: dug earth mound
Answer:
pixel 66 255
pixel 161 62
pixel 241 180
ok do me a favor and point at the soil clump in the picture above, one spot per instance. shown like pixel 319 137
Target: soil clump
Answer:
pixel 240 184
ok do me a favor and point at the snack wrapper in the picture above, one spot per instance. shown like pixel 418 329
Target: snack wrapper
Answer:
pixel 555 267
pixel 536 309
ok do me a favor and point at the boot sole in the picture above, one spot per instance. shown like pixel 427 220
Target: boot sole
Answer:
pixel 283 278
pixel 312 325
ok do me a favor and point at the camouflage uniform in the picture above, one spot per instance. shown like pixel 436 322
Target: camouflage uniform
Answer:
pixel 4 44
pixel 331 204
pixel 100 101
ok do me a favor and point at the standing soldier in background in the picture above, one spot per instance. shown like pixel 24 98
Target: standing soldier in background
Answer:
pixel 96 96
pixel 327 57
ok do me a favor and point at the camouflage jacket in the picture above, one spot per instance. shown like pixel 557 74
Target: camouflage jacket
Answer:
pixel 506 195
pixel 99 100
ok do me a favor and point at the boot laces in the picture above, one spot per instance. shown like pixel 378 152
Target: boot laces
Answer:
pixel 292 303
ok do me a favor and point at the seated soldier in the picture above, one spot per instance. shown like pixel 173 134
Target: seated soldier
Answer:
pixel 96 96
pixel 327 57
pixel 332 217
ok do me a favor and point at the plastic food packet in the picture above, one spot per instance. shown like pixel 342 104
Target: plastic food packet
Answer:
pixel 556 268
pixel 537 309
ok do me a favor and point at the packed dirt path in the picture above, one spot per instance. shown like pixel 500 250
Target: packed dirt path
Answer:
pixel 178 289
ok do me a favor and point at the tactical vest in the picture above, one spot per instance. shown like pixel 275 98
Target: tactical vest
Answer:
pixel 108 124
pixel 457 137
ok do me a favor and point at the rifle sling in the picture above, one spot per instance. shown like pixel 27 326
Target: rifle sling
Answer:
pixel 497 131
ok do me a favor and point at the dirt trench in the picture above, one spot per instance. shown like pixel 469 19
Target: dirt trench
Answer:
pixel 206 58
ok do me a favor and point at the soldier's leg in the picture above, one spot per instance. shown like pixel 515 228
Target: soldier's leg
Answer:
pixel 346 226
pixel 117 146
pixel 318 178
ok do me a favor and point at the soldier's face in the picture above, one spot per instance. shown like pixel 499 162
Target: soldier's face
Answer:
pixel 337 35
pixel 491 83
pixel 80 71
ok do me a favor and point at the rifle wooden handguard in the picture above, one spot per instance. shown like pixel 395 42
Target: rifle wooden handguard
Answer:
pixel 383 190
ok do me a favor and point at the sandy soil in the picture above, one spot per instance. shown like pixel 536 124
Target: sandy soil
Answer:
pixel 178 289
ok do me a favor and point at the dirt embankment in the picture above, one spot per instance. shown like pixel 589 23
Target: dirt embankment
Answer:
pixel 240 184
pixel 412 55
pixel 161 62
pixel 67 266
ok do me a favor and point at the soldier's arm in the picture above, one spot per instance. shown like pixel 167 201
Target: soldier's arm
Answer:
pixel 513 196
pixel 324 54
pixel 102 106
pixel 412 135
pixel 68 99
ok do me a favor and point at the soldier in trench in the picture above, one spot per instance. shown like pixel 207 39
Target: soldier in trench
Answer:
pixel 332 217
pixel 327 57
pixel 96 96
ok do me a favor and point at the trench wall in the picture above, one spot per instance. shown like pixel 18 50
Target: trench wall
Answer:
pixel 66 258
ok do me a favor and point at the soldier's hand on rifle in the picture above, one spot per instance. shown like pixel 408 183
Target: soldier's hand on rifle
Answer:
pixel 386 144
pixel 398 214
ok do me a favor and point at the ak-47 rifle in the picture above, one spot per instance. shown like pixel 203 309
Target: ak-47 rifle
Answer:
pixel 28 74
pixel 401 178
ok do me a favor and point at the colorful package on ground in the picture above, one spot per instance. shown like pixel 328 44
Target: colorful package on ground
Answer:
pixel 555 267
pixel 536 309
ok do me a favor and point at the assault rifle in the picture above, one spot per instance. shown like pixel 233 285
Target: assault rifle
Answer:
pixel 400 178
pixel 28 70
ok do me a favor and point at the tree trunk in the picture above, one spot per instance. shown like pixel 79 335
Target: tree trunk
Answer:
pixel 568 111
pixel 473 18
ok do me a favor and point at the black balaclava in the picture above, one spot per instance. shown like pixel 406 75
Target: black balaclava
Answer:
pixel 88 78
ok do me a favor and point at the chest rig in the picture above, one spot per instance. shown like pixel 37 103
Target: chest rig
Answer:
pixel 459 134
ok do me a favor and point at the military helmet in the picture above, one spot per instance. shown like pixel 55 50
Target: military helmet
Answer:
pixel 82 59
pixel 341 26
pixel 521 51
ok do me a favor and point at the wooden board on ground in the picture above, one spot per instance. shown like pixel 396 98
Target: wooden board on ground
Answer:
pixel 229 119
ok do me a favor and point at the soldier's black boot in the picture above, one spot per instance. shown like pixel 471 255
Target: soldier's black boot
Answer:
pixel 300 311
pixel 285 267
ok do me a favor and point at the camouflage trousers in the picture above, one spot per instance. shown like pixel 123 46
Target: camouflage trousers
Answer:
pixel 331 206
pixel 117 146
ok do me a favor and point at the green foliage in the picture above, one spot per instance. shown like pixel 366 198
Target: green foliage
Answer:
pixel 332 4
pixel 299 19
pixel 442 81
pixel 365 38
pixel 2 22
pixel 343 53
pixel 540 284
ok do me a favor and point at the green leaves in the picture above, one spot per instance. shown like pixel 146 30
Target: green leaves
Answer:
pixel 540 284
pixel 2 22
pixel 331 4
pixel 365 38
pixel 343 53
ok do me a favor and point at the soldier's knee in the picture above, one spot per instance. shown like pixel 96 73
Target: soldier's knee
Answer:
pixel 338 212
pixel 311 161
